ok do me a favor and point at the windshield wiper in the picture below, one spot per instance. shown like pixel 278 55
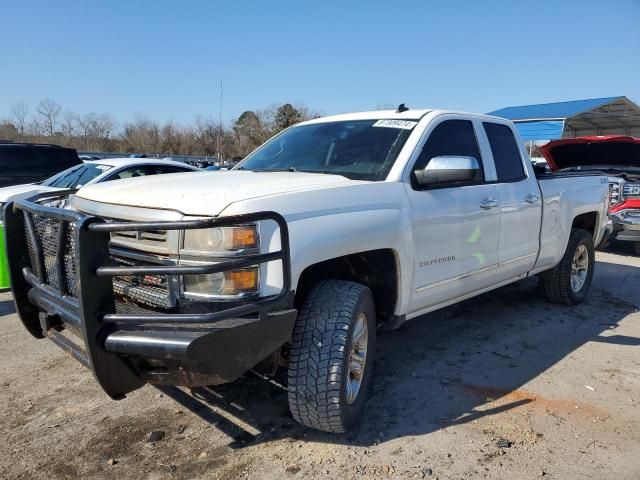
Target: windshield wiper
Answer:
pixel 288 169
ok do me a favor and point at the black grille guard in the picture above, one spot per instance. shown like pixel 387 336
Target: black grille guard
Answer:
pixel 46 310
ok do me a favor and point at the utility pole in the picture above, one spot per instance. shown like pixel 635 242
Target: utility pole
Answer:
pixel 220 123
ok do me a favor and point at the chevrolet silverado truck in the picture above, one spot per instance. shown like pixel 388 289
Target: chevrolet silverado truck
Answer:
pixel 617 156
pixel 298 257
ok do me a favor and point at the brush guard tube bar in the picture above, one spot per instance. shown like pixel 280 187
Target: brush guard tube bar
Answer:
pixel 124 351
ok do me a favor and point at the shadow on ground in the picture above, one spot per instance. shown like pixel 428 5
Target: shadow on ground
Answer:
pixel 433 372
pixel 6 307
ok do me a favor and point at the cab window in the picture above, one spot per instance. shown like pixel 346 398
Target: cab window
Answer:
pixel 506 154
pixel 451 138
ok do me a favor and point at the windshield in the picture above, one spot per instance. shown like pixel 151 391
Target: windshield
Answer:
pixel 357 149
pixel 76 177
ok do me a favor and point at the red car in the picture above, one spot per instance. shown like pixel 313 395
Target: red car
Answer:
pixel 619 157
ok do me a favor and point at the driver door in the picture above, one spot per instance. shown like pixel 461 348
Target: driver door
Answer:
pixel 455 226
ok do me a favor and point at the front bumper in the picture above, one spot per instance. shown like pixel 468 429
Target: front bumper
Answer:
pixel 626 227
pixel 62 277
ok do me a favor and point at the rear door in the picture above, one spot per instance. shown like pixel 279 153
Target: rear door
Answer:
pixel 520 203
pixel 454 227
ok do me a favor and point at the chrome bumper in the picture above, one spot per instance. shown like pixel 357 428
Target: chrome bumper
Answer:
pixel 626 226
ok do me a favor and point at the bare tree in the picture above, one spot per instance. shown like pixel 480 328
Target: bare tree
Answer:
pixel 206 131
pixel 68 126
pixel 142 135
pixel 171 138
pixel 20 116
pixel 100 131
pixel 48 112
pixel 103 129
pixel 86 125
pixel 8 131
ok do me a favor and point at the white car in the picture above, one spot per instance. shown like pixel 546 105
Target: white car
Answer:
pixel 92 172
pixel 294 258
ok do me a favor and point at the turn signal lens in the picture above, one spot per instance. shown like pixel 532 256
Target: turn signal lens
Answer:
pixel 244 237
pixel 237 281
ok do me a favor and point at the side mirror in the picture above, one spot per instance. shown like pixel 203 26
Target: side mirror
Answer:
pixel 449 169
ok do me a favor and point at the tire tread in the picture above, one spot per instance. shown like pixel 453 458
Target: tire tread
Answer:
pixel 316 359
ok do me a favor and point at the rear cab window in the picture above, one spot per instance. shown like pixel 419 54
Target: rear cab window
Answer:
pixel 506 154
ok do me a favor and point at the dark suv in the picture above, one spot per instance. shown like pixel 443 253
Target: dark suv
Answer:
pixel 30 163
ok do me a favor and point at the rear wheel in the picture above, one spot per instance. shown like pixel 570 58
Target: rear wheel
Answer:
pixel 331 357
pixel 568 283
pixel 636 247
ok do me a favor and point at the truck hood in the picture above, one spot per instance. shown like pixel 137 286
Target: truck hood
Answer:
pixel 22 191
pixel 606 151
pixel 204 193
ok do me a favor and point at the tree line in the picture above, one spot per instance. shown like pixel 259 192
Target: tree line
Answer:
pixel 101 132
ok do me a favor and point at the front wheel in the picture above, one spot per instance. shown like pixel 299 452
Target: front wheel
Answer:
pixel 637 248
pixel 568 283
pixel 331 357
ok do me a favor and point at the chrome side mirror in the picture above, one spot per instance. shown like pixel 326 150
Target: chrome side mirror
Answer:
pixel 449 169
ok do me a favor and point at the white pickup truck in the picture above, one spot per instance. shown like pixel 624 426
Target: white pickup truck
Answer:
pixel 296 258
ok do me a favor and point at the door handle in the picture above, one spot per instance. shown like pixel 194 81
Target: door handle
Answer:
pixel 488 204
pixel 531 198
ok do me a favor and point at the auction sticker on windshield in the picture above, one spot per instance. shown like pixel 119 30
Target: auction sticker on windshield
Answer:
pixel 404 124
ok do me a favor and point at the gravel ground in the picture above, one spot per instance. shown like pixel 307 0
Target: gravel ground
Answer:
pixel 502 386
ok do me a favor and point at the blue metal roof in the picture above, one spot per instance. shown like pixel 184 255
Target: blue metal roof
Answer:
pixel 558 110
pixel 541 130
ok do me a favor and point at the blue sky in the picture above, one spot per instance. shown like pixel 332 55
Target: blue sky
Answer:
pixel 165 59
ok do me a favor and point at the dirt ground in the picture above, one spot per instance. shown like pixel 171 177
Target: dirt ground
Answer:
pixel 503 386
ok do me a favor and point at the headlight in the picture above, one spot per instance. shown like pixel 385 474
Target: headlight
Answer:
pixel 616 189
pixel 218 244
pixel 211 241
pixel 230 283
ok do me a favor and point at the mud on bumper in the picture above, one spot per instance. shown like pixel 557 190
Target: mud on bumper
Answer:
pixel 62 276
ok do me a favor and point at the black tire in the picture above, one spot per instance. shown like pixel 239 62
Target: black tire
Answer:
pixel 556 283
pixel 636 247
pixel 320 354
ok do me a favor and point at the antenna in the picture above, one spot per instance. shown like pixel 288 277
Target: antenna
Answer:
pixel 220 123
pixel 402 108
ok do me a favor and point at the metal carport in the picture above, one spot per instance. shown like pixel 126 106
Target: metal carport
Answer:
pixel 595 116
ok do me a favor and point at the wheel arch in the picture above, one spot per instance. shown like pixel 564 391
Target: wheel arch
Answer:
pixel 378 269
pixel 587 221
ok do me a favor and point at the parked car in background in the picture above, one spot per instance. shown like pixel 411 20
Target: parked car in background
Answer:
pixel 618 157
pixel 80 175
pixel 29 162
pixel 97 171
pixel 294 258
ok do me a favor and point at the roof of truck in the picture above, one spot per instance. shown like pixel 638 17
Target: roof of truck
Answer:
pixel 411 115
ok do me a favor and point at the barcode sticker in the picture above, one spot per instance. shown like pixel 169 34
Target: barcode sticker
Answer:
pixel 404 124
